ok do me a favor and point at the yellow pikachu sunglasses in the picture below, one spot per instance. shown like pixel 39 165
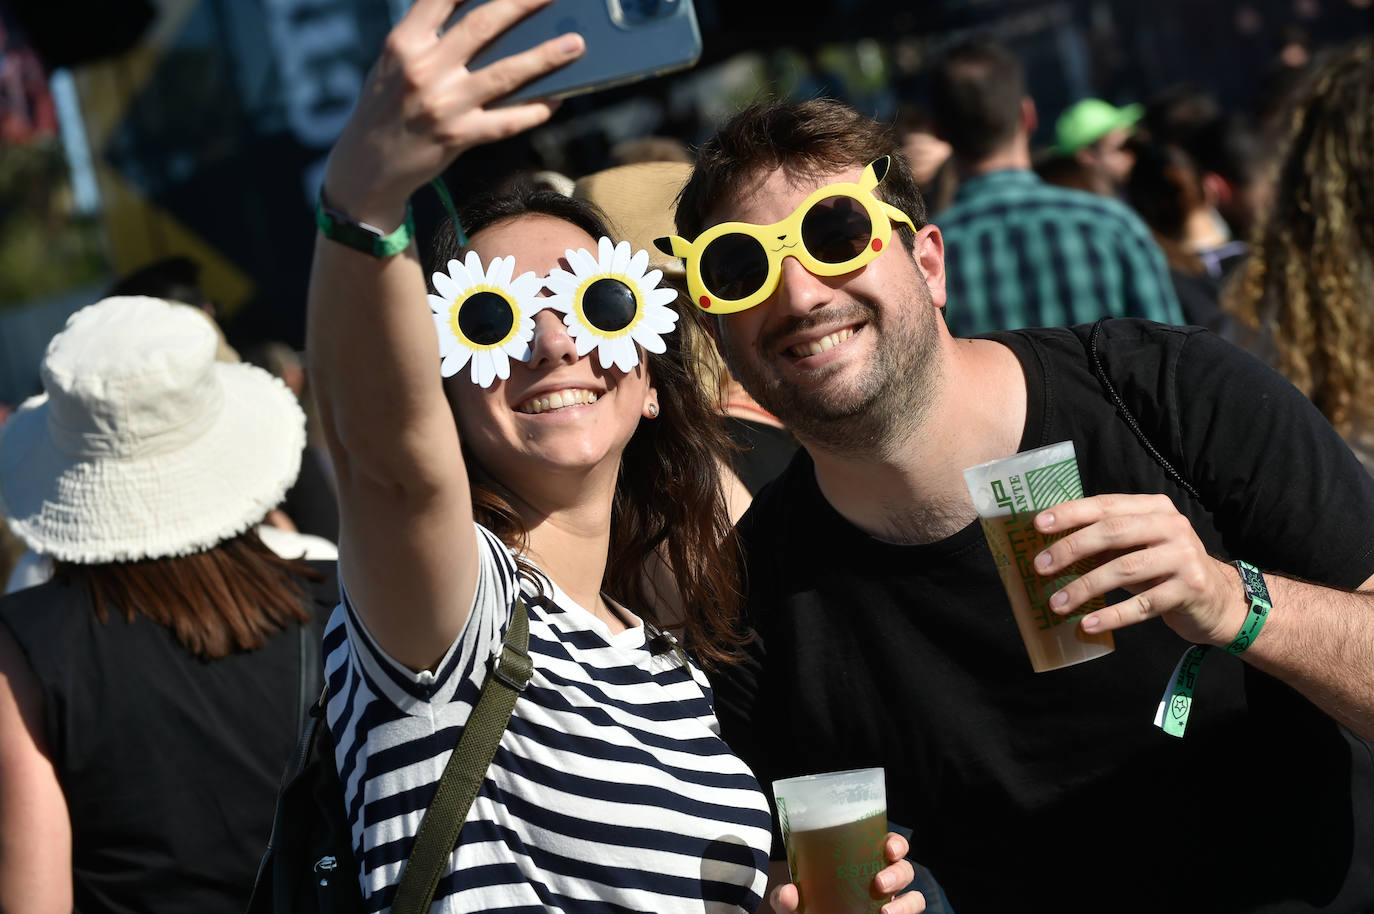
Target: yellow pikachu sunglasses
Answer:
pixel 839 228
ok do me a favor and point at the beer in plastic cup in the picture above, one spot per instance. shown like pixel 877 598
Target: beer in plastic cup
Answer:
pixel 835 826
pixel 1008 493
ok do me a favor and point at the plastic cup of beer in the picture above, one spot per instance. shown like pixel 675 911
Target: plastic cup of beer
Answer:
pixel 835 826
pixel 1008 493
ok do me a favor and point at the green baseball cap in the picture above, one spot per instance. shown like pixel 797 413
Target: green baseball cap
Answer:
pixel 1084 123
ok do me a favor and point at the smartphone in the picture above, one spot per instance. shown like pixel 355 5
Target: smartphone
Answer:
pixel 627 40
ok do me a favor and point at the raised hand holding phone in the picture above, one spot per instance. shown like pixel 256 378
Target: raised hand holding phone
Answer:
pixel 422 105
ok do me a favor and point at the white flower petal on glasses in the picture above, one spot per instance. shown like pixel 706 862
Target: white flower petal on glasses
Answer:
pixel 620 259
pixel 650 339
pixel 501 271
pixel 623 263
pixel 448 287
pixel 454 361
pixel 563 285
pixel 501 361
pixel 586 342
pixel 519 346
pixel 487 362
pixel 604 353
pixel 624 353
pixel 483 368
pixel 658 298
pixel 583 262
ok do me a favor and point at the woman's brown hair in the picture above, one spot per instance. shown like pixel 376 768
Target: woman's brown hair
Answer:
pixel 1309 283
pixel 228 598
pixel 669 504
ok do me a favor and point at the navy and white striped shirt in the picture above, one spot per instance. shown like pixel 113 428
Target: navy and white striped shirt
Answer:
pixel 610 791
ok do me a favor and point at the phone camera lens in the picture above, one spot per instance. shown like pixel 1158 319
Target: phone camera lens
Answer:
pixel 639 12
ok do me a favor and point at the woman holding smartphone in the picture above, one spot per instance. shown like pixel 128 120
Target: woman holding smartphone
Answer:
pixel 535 450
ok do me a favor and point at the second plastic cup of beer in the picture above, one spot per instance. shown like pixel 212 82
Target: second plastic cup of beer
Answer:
pixel 834 825
pixel 1008 493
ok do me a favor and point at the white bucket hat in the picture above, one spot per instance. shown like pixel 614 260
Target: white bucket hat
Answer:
pixel 142 445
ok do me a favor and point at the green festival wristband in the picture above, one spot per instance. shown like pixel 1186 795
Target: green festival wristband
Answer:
pixel 360 236
pixel 1172 716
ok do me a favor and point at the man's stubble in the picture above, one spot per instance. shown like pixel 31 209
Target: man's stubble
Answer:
pixel 878 410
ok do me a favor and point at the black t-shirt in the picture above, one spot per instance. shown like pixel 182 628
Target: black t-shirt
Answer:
pixel 169 764
pixel 764 451
pixel 1054 791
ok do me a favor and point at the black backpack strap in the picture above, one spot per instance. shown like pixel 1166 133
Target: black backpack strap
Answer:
pixel 467 766
pixel 272 888
pixel 1130 419
pixel 311 677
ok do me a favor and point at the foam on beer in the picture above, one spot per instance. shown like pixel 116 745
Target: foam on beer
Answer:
pixel 830 800
pixel 824 816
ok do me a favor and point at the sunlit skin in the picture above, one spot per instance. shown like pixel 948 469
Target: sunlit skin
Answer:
pixel 526 452
pixel 1110 155
pixel 887 305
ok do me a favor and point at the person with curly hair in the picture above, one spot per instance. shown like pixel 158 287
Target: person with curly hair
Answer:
pixel 1307 291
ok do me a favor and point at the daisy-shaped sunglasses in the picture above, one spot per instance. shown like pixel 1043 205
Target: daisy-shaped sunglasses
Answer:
pixel 609 303
pixel 836 230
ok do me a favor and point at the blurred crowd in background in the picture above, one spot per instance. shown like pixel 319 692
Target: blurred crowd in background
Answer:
pixel 1209 164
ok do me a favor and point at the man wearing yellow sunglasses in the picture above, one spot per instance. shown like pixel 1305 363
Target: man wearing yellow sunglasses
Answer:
pixel 884 635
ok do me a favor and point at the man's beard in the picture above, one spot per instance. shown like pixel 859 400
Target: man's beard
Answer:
pixel 882 407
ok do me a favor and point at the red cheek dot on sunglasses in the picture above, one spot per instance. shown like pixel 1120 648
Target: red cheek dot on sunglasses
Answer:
pixel 705 301
pixel 877 244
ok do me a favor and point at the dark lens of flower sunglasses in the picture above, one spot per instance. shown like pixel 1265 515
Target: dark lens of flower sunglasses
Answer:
pixel 609 305
pixel 836 229
pixel 485 318
pixel 734 266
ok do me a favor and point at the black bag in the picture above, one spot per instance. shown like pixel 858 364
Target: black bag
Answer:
pixel 309 865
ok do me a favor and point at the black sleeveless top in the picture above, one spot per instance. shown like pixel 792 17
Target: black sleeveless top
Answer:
pixel 169 764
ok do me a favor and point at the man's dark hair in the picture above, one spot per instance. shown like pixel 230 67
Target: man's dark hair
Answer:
pixel 810 139
pixel 976 94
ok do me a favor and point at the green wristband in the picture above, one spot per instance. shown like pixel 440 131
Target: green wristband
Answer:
pixel 360 236
pixel 1258 594
pixel 1172 716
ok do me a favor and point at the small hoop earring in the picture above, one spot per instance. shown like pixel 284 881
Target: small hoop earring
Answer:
pixel 653 410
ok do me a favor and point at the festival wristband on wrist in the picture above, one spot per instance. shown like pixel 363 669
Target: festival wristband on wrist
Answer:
pixel 1172 716
pixel 360 236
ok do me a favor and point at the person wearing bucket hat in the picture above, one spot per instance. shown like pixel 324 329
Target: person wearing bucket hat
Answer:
pixel 515 454
pixel 149 691
pixel 1095 132
pixel 1020 252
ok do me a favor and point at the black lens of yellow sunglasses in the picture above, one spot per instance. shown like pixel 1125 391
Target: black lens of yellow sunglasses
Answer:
pixel 485 318
pixel 733 266
pixel 609 305
pixel 836 229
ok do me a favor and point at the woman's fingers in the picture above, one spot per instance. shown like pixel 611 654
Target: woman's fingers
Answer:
pixel 785 899
pixel 480 25
pixel 506 122
pixel 499 79
pixel 427 16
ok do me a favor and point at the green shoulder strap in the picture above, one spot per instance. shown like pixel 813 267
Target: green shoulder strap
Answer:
pixel 467 768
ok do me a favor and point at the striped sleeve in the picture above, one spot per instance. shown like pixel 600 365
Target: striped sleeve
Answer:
pixel 610 789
